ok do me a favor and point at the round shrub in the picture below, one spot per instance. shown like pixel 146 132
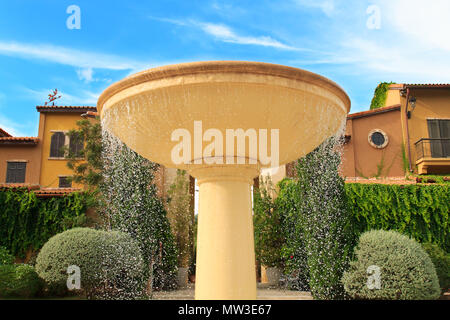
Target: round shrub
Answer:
pixel 19 281
pixel 110 263
pixel 5 257
pixel 405 269
pixel 441 261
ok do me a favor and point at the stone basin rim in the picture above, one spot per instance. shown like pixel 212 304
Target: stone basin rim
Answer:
pixel 205 67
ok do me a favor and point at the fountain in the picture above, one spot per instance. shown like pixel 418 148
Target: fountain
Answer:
pixel 153 110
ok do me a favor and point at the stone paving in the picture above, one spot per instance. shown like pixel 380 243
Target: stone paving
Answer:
pixel 263 293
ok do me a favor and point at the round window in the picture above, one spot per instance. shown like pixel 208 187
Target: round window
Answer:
pixel 378 139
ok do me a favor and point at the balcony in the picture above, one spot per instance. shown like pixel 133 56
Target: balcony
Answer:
pixel 433 156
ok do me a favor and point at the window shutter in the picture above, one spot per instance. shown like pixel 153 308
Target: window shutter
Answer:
pixel 56 145
pixel 76 144
pixel 444 128
pixel 64 183
pixel 15 172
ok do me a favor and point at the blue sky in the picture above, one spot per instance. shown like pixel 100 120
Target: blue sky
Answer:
pixel 335 38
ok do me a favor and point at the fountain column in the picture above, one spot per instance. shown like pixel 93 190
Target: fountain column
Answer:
pixel 225 244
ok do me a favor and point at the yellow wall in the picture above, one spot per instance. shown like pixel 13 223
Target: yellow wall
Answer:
pixel 51 169
pixel 393 96
pixel 431 104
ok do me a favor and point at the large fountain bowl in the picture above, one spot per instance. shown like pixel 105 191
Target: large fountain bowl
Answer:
pixel 144 109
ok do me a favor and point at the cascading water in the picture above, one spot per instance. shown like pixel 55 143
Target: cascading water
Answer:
pixel 130 204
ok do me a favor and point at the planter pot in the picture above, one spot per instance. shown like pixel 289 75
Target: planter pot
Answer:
pixel 182 277
pixel 192 278
pixel 273 276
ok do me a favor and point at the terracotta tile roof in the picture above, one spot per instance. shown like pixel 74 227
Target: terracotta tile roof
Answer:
pixel 41 193
pixel 65 108
pixel 373 112
pixel 29 186
pixel 392 180
pixel 19 140
pixel 427 85
pixel 90 114
pixel 3 133
pixel 54 192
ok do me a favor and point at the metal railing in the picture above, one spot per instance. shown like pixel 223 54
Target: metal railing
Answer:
pixel 432 148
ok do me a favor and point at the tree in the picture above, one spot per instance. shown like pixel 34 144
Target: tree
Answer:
pixel 269 235
pixel 180 217
pixel 87 163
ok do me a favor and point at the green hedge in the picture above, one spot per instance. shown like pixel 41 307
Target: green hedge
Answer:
pixel 27 222
pixel 19 281
pixel 419 211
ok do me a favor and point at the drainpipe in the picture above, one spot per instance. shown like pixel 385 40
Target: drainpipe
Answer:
pixel 407 130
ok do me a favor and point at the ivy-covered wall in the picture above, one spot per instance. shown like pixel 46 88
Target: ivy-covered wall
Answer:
pixel 27 222
pixel 420 211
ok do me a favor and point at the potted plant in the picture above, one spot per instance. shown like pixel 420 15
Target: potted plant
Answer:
pixel 269 238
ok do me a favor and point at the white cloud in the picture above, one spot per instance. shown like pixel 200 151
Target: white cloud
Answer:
pixel 85 74
pixel 226 34
pixel 13 128
pixel 68 56
pixel 327 6
pixel 425 22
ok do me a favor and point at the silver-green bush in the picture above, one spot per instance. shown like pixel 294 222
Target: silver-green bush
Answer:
pixel 111 264
pixel 406 270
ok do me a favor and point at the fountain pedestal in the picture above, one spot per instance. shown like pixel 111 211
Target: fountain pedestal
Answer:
pixel 225 249
pixel 146 109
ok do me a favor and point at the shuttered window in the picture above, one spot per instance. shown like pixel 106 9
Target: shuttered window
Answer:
pixel 15 172
pixel 57 144
pixel 64 182
pixel 439 129
pixel 76 144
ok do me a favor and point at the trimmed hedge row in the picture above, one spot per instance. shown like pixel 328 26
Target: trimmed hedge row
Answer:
pixel 27 222
pixel 419 211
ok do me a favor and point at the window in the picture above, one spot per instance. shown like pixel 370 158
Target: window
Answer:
pixel 439 132
pixel 76 144
pixel 57 144
pixel 378 139
pixel 64 182
pixel 15 172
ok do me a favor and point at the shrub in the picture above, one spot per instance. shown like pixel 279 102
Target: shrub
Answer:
pixel 441 261
pixel 406 271
pixel 19 280
pixel 111 264
pixel 269 235
pixel 5 257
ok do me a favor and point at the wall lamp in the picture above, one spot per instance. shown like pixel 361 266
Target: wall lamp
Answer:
pixel 412 102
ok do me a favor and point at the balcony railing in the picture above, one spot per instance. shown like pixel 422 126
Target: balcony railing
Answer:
pixel 432 148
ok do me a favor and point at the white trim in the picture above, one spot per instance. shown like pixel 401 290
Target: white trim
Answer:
pixel 386 139
pixel 26 161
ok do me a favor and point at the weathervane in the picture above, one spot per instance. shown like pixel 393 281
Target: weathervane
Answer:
pixel 52 97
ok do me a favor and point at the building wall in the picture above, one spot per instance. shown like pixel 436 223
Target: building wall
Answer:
pixel 360 159
pixel 430 104
pixel 51 169
pixel 20 152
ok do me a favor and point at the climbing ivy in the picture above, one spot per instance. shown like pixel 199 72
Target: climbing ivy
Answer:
pixel 380 95
pixel 419 211
pixel 27 222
